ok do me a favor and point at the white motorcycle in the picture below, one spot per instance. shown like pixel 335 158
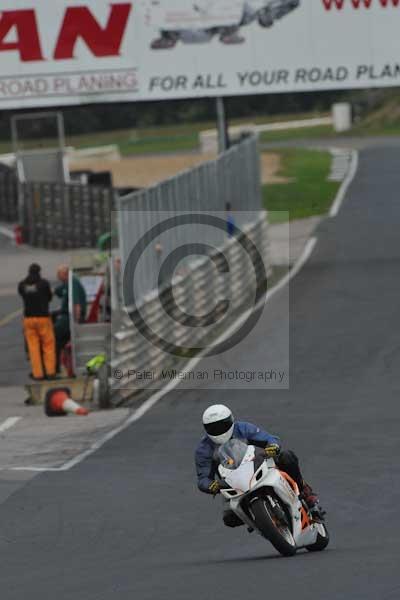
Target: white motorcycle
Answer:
pixel 267 499
pixel 200 21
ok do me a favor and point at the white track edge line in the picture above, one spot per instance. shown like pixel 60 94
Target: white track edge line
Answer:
pixel 7 233
pixel 150 402
pixel 340 196
pixel 8 423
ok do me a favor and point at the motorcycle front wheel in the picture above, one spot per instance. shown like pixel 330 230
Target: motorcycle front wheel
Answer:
pixel 276 532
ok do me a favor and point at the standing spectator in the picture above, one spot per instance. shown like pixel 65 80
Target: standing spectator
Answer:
pixel 38 327
pixel 61 317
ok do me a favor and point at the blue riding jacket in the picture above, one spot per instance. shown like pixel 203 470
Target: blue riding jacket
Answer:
pixel 206 465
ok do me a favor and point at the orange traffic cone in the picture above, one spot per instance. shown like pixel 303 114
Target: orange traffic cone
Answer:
pixel 58 403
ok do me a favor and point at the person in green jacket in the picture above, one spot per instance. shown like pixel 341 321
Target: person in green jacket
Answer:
pixel 61 317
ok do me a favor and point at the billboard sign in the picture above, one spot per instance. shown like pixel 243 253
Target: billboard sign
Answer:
pixel 81 51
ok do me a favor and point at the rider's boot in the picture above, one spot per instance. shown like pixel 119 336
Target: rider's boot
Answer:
pixel 312 501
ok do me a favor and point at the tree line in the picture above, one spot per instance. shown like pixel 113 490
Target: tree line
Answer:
pixel 106 117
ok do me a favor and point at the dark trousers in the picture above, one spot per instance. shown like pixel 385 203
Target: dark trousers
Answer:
pixel 62 335
pixel 288 462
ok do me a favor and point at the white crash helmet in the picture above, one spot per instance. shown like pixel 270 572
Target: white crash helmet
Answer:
pixel 218 422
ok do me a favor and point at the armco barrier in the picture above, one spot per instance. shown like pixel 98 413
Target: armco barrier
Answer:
pixel 193 292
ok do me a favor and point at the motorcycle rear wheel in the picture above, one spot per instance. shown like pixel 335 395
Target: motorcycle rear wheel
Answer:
pixel 282 541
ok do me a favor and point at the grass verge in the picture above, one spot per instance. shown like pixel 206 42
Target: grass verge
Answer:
pixel 157 140
pixel 185 137
pixel 306 133
pixel 308 192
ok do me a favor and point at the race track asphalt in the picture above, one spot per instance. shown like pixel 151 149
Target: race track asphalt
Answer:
pixel 128 522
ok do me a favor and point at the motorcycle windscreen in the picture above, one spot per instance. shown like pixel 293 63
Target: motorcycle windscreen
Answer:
pixel 178 15
pixel 240 478
pixel 233 452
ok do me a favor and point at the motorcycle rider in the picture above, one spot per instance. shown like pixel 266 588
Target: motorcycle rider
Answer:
pixel 220 427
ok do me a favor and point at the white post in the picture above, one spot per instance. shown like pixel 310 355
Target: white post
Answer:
pixel 71 311
pixel 341 113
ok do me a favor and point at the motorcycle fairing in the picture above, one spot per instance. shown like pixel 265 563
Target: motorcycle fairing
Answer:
pixel 245 479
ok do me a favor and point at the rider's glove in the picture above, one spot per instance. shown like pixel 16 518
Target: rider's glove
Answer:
pixel 214 488
pixel 272 450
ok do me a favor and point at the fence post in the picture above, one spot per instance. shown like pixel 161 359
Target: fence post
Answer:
pixel 221 125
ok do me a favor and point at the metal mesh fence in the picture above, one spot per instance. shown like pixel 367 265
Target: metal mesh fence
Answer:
pixel 229 184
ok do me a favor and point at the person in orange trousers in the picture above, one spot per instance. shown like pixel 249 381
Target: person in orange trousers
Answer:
pixel 38 325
